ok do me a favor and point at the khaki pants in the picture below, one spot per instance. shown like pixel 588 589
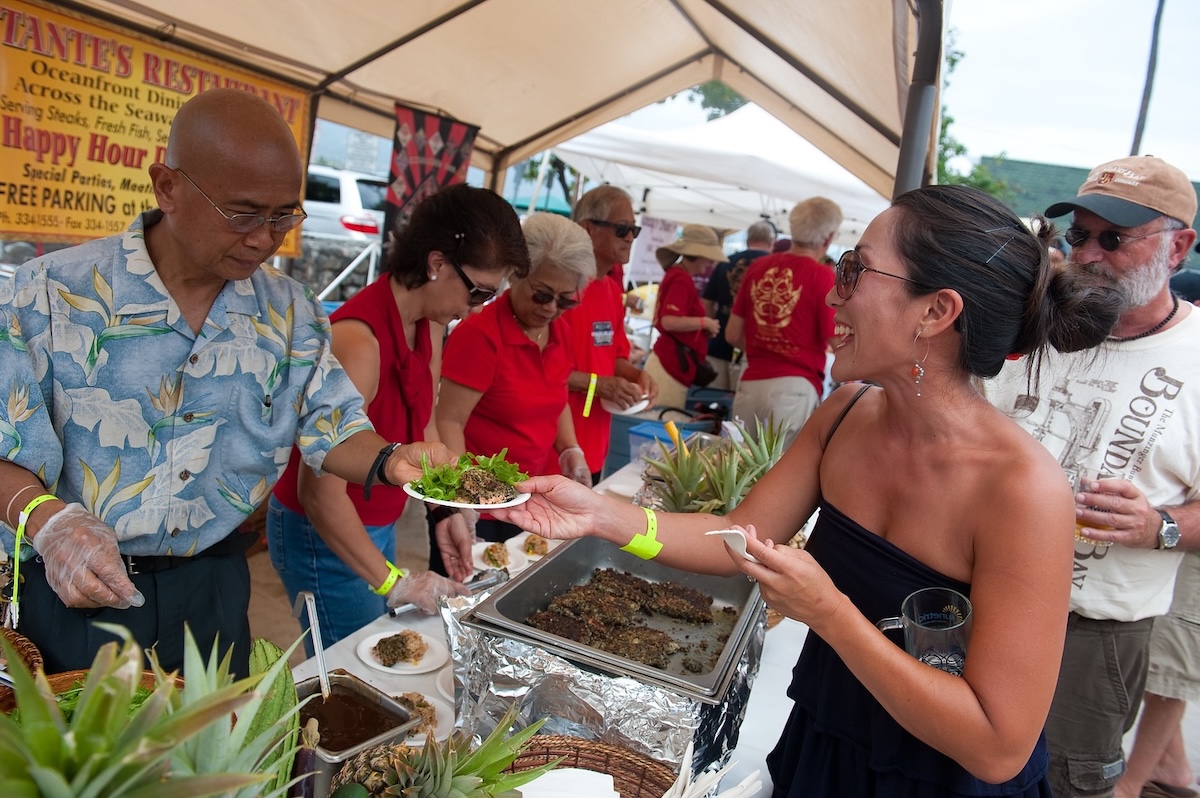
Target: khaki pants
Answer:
pixel 1097 699
pixel 671 392
pixel 786 399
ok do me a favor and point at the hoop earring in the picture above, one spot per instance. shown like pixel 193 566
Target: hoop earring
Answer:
pixel 918 370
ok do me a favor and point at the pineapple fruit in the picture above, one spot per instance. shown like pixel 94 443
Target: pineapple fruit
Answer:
pixel 714 478
pixel 445 770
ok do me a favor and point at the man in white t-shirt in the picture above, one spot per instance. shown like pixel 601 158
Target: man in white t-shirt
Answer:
pixel 1130 408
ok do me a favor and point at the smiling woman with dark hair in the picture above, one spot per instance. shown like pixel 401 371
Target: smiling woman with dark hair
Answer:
pixel 920 482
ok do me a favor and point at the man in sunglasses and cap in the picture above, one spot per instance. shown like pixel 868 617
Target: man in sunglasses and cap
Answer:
pixel 156 382
pixel 1131 411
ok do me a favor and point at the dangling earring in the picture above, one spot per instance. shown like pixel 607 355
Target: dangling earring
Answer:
pixel 918 370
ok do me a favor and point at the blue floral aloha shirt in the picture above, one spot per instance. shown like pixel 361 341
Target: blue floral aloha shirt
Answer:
pixel 169 437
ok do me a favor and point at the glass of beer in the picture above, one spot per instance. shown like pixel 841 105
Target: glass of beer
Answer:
pixel 1081 482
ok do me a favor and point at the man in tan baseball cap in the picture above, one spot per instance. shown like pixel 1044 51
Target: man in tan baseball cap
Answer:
pixel 1132 412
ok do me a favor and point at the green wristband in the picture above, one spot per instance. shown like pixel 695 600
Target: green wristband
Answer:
pixel 394 574
pixel 645 544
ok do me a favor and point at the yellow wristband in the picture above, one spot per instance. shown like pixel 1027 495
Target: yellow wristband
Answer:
pixel 645 545
pixel 591 394
pixel 394 573
pixel 22 520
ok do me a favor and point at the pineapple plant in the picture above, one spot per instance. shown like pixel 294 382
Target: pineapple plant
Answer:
pixel 445 770
pixel 713 478
pixel 111 746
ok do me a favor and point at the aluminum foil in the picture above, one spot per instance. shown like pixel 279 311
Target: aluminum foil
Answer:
pixel 496 670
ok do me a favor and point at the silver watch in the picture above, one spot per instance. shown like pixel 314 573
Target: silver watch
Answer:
pixel 1168 536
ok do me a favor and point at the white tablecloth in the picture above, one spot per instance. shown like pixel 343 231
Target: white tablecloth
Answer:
pixel 765 715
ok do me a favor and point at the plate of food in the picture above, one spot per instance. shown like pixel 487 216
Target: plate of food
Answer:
pixel 616 410
pixel 487 555
pixel 445 683
pixel 473 481
pixel 405 652
pixel 534 547
pixel 434 713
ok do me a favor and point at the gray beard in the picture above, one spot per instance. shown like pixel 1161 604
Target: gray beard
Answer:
pixel 1140 285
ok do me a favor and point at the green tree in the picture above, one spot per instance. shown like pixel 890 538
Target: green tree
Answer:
pixel 715 98
pixel 950 147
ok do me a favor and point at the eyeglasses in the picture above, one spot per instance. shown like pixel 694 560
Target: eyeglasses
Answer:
pixel 249 222
pixel 849 268
pixel 476 295
pixel 563 302
pixel 620 228
pixel 1109 240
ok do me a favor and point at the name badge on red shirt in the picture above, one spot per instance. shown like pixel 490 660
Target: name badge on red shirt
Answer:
pixel 602 333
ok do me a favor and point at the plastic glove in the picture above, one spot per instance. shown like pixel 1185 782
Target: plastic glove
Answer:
pixel 83 563
pixel 572 463
pixel 424 589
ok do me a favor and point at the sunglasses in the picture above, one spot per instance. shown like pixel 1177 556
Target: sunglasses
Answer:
pixel 563 301
pixel 620 228
pixel 476 295
pixel 1109 240
pixel 849 268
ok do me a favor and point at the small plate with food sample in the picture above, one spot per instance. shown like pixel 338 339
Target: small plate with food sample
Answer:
pixel 535 547
pixel 404 652
pixel 616 410
pixel 434 711
pixel 497 555
pixel 521 498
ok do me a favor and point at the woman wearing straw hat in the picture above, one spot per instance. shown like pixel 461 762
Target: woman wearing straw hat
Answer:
pixel 679 314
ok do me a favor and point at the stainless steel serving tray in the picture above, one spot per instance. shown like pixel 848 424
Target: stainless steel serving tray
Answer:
pixel 573 563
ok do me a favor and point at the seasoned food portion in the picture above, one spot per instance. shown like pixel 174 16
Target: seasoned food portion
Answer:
pixel 536 546
pixel 419 706
pixel 641 644
pixel 495 555
pixel 589 602
pixel 683 602
pixel 611 613
pixel 407 646
pixel 481 487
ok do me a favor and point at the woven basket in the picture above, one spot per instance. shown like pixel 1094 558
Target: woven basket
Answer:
pixel 61 682
pixel 634 775
pixel 25 649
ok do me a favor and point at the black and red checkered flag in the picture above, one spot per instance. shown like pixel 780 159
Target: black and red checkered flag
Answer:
pixel 429 152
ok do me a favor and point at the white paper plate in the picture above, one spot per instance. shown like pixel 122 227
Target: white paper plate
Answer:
pixel 736 539
pixel 445 683
pixel 617 410
pixel 521 499
pixel 434 658
pixel 516 545
pixel 517 561
pixel 442 728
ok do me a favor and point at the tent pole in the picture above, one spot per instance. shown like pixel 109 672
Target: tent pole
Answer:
pixel 922 98
pixel 537 187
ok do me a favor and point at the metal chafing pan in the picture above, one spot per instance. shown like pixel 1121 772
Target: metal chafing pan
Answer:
pixel 505 611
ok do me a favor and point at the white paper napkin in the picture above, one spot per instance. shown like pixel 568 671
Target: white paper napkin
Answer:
pixel 575 782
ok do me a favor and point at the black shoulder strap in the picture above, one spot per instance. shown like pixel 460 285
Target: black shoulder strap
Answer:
pixel 838 421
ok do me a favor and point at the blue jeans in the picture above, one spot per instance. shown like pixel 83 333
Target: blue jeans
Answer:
pixel 345 603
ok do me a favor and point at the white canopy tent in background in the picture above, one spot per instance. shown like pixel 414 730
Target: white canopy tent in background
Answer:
pixel 727 173
pixel 858 78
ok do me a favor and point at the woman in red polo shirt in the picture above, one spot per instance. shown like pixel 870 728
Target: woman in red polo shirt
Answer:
pixel 679 314
pixel 504 370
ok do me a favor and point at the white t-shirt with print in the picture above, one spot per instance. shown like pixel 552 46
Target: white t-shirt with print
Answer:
pixel 1131 409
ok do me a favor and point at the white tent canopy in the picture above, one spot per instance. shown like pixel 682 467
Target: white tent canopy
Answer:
pixel 725 174
pixel 533 73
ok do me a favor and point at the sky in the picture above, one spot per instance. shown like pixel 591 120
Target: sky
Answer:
pixel 1049 81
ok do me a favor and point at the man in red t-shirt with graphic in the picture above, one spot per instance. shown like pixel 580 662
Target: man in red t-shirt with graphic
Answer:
pixel 602 367
pixel 780 320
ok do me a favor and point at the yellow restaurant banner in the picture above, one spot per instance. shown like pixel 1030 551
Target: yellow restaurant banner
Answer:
pixel 85 109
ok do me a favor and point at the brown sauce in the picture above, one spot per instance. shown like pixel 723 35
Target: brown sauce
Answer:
pixel 347 719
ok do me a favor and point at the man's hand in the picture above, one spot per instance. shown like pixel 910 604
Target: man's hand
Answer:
pixel 83 563
pixel 455 537
pixel 405 463
pixel 424 589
